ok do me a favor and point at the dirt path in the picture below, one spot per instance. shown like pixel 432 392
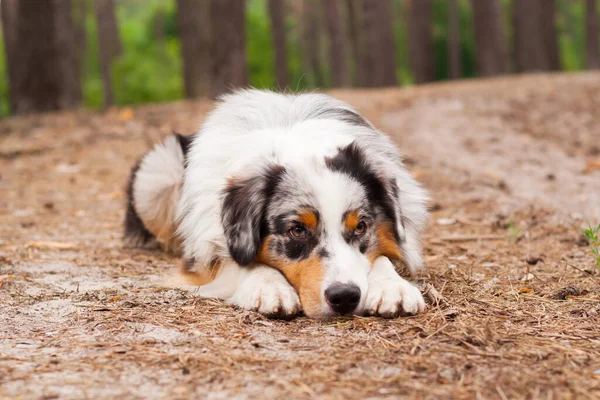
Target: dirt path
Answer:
pixel 511 167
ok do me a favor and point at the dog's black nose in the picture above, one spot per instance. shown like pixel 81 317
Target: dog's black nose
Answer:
pixel 343 297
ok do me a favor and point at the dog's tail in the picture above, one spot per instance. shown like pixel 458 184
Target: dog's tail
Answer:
pixel 153 192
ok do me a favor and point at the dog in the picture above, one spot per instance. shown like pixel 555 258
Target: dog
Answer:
pixel 284 204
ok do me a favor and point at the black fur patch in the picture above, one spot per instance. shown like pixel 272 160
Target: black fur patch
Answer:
pixel 299 250
pixel 134 229
pixel 243 209
pixel 351 161
pixel 363 247
pixel 185 142
pixel 287 246
pixel 323 253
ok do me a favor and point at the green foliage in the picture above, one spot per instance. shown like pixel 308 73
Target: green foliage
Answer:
pixel 259 46
pixel 593 236
pixel 441 34
pixel 513 232
pixel 571 34
pixel 403 73
pixel 149 68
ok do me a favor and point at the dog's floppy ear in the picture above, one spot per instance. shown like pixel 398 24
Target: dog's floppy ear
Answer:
pixel 382 193
pixel 244 206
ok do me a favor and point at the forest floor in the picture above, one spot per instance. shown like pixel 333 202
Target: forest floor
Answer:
pixel 512 164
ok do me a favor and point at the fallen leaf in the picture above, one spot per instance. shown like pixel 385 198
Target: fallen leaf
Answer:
pixel 525 290
pixel 126 114
pixel 4 278
pixel 592 166
pixel 51 245
pixel 446 221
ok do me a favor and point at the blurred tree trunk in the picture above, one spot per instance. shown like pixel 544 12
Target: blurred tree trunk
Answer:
pixel 109 44
pixel 491 54
pixel 337 44
pixel 228 54
pixel 535 39
pixel 277 15
pixel 311 28
pixel 592 47
pixel 548 16
pixel 44 76
pixel 455 66
pixel 80 34
pixel 379 47
pixel 420 40
pixel 354 24
pixel 9 14
pixel 193 21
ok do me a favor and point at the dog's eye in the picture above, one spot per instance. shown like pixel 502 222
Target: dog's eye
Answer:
pixel 360 229
pixel 298 232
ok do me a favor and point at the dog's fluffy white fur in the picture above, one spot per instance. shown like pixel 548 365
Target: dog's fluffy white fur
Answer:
pixel 182 191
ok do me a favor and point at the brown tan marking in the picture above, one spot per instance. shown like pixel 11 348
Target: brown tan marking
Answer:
pixel 351 221
pixel 199 276
pixel 309 219
pixel 305 276
pixel 386 244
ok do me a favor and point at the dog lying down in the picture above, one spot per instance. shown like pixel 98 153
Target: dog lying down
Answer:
pixel 282 204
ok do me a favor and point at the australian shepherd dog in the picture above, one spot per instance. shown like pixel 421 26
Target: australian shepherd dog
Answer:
pixel 285 204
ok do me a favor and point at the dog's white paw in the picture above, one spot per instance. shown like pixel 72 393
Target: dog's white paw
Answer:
pixel 389 295
pixel 265 290
pixel 393 298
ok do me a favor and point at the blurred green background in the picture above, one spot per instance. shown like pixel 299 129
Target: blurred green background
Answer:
pixel 150 67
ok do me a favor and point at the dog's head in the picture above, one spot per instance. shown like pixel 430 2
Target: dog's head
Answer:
pixel 322 224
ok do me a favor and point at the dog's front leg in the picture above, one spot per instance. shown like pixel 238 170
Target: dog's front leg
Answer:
pixel 264 289
pixel 389 295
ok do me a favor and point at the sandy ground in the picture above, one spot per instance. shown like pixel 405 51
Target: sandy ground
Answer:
pixel 513 168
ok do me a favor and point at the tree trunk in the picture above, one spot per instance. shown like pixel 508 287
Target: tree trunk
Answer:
pixel 354 24
pixel 491 54
pixel 276 13
pixel 534 38
pixel 228 53
pixel 379 47
pixel 45 77
pixel 592 47
pixel 420 40
pixel 9 14
pixel 193 21
pixel 80 35
pixel 454 61
pixel 311 29
pixel 337 44
pixel 109 44
pixel 548 15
